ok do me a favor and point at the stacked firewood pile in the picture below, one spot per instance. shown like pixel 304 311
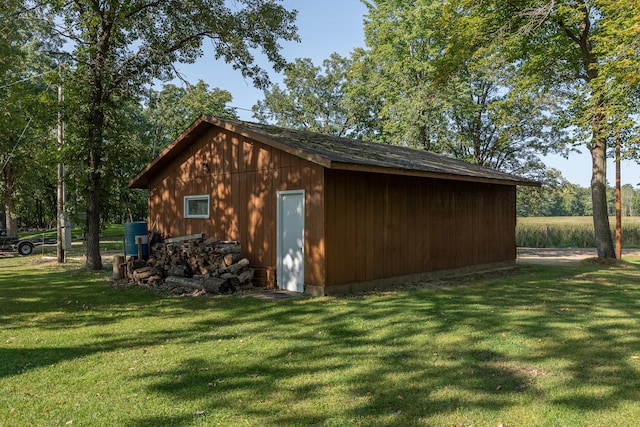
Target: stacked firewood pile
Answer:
pixel 193 265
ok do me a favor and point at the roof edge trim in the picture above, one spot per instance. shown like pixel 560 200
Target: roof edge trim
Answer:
pixel 454 177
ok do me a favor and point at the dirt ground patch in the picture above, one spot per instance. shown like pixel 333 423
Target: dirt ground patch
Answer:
pixel 560 256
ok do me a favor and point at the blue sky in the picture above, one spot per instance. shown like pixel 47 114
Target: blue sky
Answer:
pixel 329 26
pixel 324 27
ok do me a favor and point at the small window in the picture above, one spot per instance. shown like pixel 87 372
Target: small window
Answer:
pixel 196 206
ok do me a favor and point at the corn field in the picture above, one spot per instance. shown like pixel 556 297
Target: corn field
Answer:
pixel 570 232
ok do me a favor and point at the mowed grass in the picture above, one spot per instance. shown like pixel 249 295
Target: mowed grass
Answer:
pixel 542 346
pixel 570 232
pixel 111 239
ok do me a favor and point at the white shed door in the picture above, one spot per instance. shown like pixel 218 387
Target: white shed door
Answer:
pixel 291 240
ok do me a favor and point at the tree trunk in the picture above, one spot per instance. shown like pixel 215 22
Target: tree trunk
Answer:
pixel 60 223
pixel 598 146
pixel 94 188
pixel 618 200
pixel 9 203
pixel 94 259
pixel 97 100
pixel 601 228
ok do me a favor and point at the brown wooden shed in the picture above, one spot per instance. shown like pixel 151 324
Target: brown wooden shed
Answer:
pixel 331 215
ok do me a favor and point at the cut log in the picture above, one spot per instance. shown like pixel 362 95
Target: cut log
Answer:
pixel 154 279
pixel 183 264
pixel 118 272
pixel 183 238
pixel 143 273
pixel 237 267
pixel 178 271
pixel 183 282
pixel 224 248
pixel 211 241
pixel 232 258
pixel 230 284
pixel 213 284
pixel 122 270
pixel 246 276
pixel 133 265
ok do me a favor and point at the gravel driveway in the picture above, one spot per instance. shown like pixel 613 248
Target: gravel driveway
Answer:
pixel 562 255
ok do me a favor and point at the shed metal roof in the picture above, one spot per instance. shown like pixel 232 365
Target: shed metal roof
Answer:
pixel 335 152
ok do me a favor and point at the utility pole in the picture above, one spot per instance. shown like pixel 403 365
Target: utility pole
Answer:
pixel 60 242
pixel 618 200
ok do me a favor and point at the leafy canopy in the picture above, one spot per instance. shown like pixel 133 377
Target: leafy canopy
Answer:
pixel 115 48
pixel 171 110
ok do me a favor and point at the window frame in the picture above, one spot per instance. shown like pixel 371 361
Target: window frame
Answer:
pixel 197 197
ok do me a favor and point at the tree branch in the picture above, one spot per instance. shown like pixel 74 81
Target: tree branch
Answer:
pixel 143 7
pixel 537 17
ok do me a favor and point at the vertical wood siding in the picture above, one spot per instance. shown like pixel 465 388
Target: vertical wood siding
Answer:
pixel 381 226
pixel 243 180
pixel 358 226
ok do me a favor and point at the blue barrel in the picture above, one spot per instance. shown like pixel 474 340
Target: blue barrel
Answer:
pixel 133 231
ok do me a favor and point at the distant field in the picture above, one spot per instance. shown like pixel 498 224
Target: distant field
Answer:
pixel 573 220
pixel 570 232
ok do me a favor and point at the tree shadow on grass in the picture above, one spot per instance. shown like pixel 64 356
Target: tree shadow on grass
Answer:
pixel 564 339
pixel 400 359
pixel 60 298
pixel 262 393
pixel 56 300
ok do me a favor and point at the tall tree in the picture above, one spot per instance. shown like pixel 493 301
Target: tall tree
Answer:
pixel 126 149
pixel 578 57
pixel 395 75
pixel 172 109
pixel 581 50
pixel 116 48
pixel 433 91
pixel 487 123
pixel 313 98
pixel 26 111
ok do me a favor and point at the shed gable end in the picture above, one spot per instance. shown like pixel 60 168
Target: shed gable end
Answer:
pixel 242 177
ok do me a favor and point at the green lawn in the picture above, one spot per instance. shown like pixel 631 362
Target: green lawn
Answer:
pixel 112 240
pixel 548 346
pixel 110 232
